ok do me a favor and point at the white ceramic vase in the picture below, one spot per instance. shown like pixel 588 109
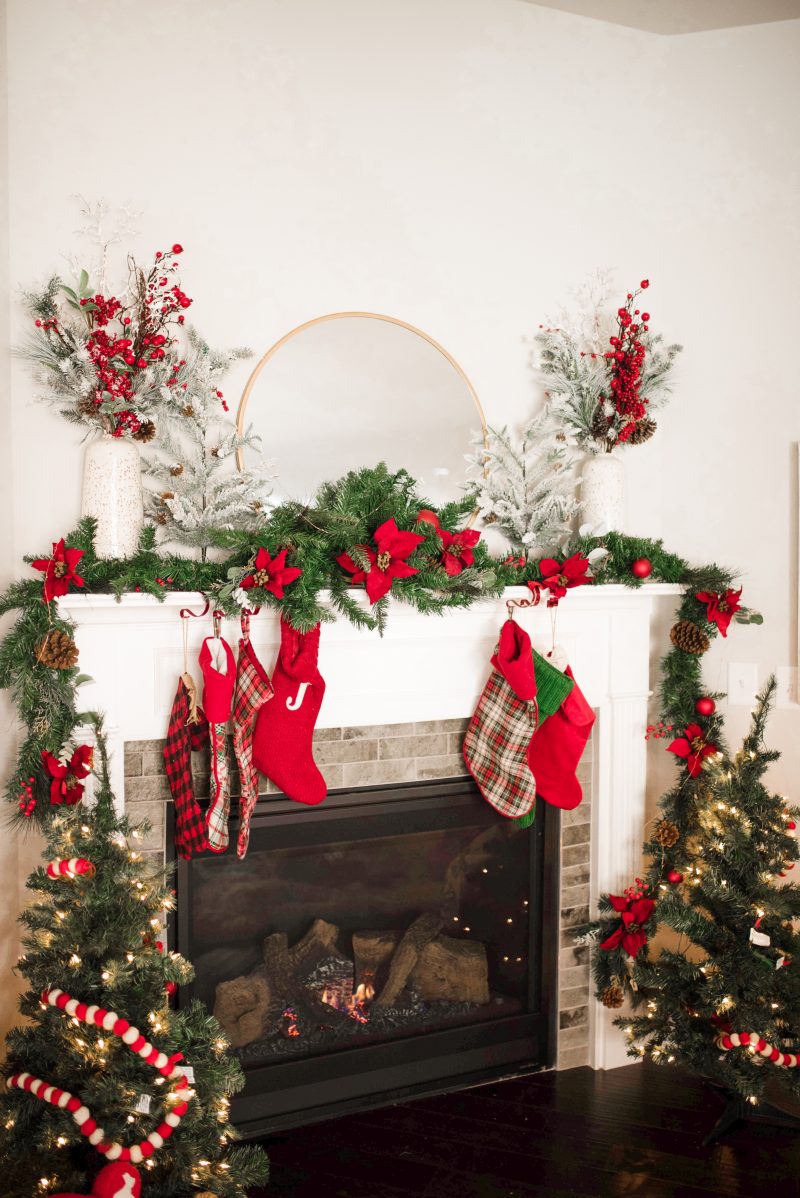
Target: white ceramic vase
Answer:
pixel 112 493
pixel 603 492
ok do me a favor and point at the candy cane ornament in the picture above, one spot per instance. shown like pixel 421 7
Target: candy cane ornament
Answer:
pixel 73 867
pixel 786 1060
pixel 168 1067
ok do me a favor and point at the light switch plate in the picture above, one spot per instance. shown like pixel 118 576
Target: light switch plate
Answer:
pixel 787 686
pixel 742 683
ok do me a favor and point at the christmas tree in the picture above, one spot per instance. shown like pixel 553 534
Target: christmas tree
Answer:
pixel 524 484
pixel 721 994
pixel 195 493
pixel 103 1070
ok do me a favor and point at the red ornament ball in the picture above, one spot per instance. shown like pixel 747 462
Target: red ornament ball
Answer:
pixel 674 876
pixel 705 706
pixel 642 567
pixel 791 825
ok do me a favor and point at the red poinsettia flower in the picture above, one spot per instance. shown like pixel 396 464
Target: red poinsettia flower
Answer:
pixel 720 609
pixel 272 574
pixel 456 546
pixel 694 747
pixel 634 914
pixel 59 570
pixel 66 785
pixel 387 560
pixel 559 577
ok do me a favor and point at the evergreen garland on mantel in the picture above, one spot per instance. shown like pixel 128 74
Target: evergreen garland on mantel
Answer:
pixel 341 522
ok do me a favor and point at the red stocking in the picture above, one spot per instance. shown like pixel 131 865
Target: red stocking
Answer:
pixel 282 748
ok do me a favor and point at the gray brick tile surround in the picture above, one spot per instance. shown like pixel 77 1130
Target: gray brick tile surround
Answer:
pixel 408 753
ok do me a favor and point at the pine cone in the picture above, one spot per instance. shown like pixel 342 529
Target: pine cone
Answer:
pixel 642 432
pixel 599 423
pixel 176 470
pixel 666 834
pixel 145 432
pixel 689 637
pixel 57 650
pixel 613 996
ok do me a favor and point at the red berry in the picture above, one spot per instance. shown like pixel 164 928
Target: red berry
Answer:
pixel 645 283
pixel 645 315
pixel 177 248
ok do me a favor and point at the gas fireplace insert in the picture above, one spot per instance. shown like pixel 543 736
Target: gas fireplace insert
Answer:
pixel 395 941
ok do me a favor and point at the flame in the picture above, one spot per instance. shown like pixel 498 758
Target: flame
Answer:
pixel 353 1004
pixel 291 1028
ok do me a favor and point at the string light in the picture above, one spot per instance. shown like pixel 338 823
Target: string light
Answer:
pixel 129 957
pixel 74 961
pixel 61 1141
pixel 105 975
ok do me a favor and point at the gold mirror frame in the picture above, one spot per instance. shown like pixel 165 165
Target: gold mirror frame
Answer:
pixel 251 382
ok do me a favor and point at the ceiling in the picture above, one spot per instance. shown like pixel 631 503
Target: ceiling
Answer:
pixel 679 16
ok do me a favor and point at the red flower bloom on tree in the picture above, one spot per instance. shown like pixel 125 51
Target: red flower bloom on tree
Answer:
pixel 720 609
pixel 387 560
pixel 271 573
pixel 66 785
pixel 59 570
pixel 559 577
pixel 634 914
pixel 456 546
pixel 694 747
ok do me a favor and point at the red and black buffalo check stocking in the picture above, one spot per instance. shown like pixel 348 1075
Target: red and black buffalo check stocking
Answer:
pixel 188 730
pixel 253 690
pixel 497 739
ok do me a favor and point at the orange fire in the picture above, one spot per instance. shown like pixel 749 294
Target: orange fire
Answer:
pixel 353 1004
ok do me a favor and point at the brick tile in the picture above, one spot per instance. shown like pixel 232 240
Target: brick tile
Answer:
pixel 578 815
pixel 574 854
pixel 573 1037
pixel 575 975
pixel 322 734
pixel 146 790
pixel 152 763
pixel 575 834
pixel 574 875
pixel 441 767
pixel 332 774
pixel 574 917
pixel 345 750
pixel 133 764
pixel 578 954
pixel 576 996
pixel 574 896
pixel 574 1017
pixel 391 747
pixel 362 773
pixel 573 1058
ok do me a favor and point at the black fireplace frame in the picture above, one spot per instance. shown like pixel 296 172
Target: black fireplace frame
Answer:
pixel 306 1090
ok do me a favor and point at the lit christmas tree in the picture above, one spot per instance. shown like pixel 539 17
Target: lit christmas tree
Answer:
pixel 103 1070
pixel 721 996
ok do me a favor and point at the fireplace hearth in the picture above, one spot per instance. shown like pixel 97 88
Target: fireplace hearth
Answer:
pixel 398 940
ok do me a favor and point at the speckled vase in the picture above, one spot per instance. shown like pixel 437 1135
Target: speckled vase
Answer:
pixel 112 493
pixel 603 492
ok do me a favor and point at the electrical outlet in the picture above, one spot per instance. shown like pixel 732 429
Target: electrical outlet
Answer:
pixel 787 686
pixel 742 683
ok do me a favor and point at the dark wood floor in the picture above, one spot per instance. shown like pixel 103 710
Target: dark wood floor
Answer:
pixel 578 1134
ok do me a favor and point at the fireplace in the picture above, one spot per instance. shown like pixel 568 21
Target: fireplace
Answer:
pixel 398 940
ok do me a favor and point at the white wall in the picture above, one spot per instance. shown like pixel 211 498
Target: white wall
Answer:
pixel 460 164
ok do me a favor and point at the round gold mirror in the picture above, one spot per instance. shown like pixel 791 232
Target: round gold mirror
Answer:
pixel 352 389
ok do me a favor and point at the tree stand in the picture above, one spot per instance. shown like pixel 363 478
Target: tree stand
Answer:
pixel 739 1110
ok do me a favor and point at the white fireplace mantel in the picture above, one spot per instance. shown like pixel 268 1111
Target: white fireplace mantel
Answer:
pixel 424 667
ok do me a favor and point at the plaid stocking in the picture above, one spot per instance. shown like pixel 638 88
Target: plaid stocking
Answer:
pixel 216 662
pixel 182 737
pixel 497 739
pixel 253 690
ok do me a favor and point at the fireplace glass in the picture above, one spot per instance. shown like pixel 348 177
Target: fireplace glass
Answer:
pixel 384 915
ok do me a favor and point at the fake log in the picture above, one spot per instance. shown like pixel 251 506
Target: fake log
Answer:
pixel 242 1008
pixel 420 933
pixel 451 970
pixel 372 951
